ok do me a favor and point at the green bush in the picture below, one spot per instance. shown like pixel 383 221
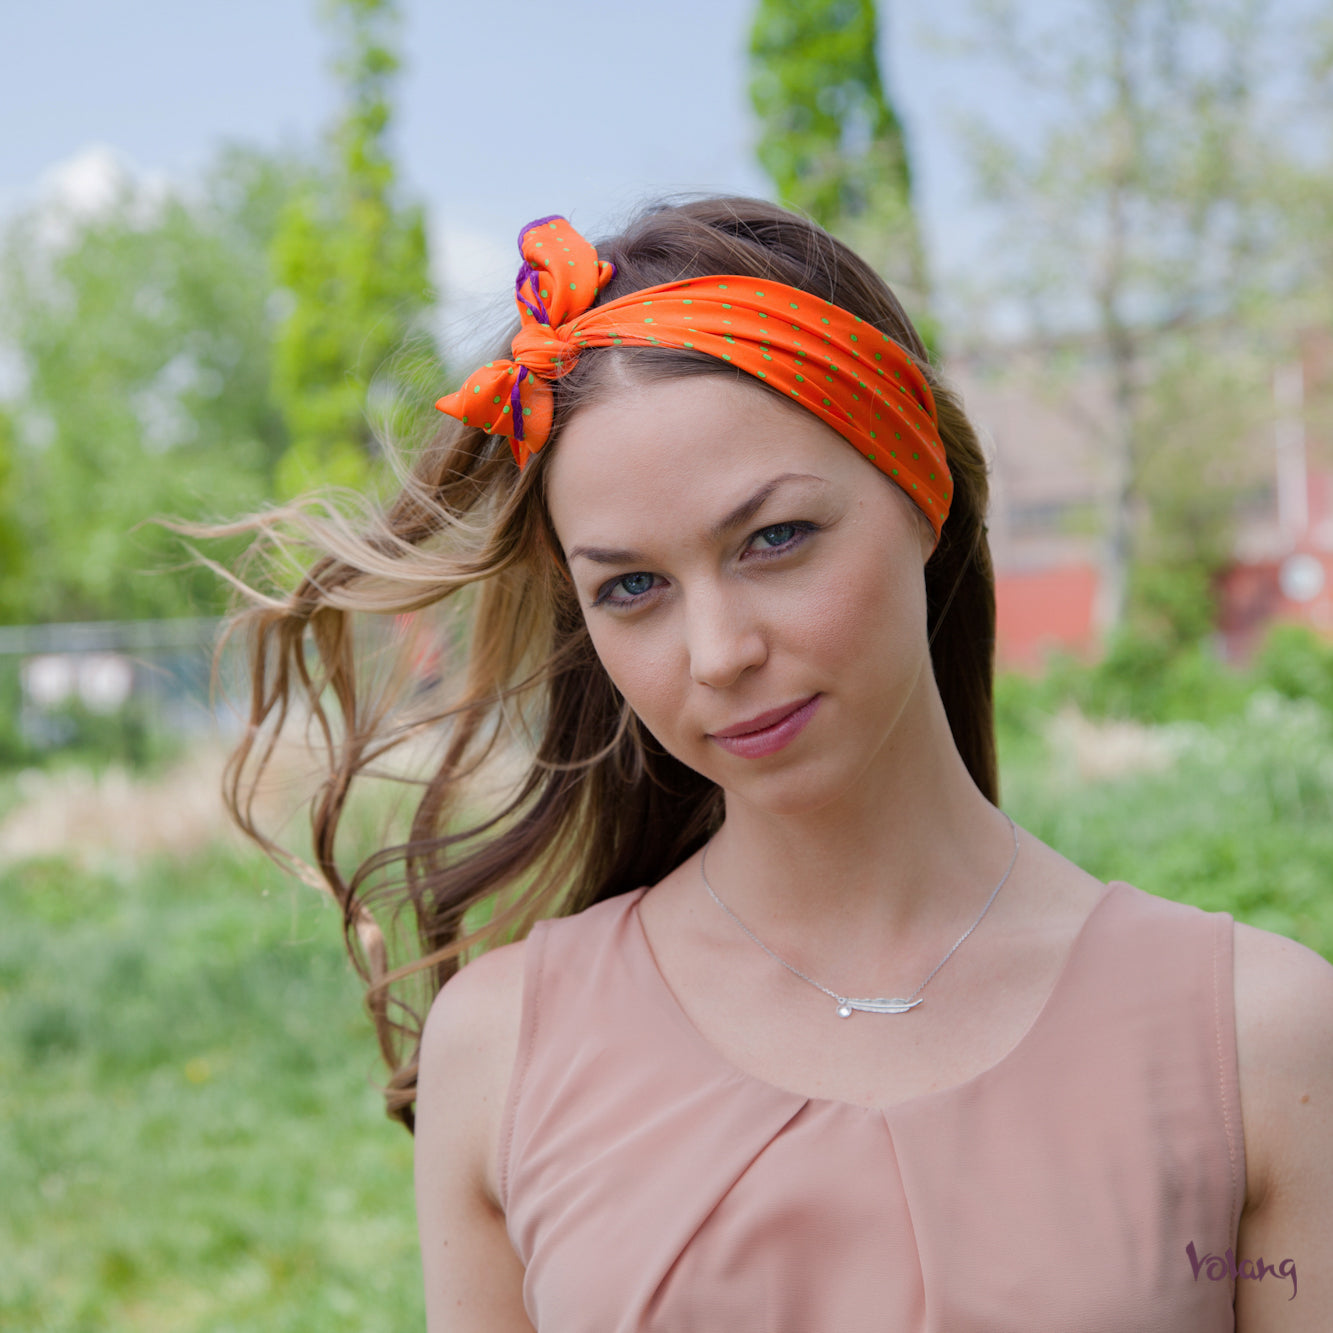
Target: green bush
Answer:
pixel 1240 821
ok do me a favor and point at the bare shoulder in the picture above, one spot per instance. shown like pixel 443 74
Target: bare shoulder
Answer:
pixel 473 1276
pixel 1284 1015
pixel 1284 1048
pixel 468 1048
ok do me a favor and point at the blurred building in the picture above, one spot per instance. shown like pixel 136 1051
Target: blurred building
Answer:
pixel 1050 487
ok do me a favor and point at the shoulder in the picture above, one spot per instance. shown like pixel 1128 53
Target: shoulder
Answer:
pixel 468 1049
pixel 1284 1051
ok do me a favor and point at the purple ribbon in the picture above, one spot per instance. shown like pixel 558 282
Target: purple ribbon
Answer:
pixel 528 273
pixel 515 403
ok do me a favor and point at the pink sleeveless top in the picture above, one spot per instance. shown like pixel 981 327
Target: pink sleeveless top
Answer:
pixel 648 1184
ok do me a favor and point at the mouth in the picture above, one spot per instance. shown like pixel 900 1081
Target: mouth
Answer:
pixel 767 731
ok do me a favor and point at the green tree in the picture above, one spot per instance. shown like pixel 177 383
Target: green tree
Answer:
pixel 830 139
pixel 353 258
pixel 143 334
pixel 1139 235
pixel 11 547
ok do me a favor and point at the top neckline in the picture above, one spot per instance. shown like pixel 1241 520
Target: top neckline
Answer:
pixel 674 1007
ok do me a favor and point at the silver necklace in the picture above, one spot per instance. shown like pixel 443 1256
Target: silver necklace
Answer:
pixel 845 1003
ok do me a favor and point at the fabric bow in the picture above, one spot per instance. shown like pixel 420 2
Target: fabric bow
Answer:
pixel 560 279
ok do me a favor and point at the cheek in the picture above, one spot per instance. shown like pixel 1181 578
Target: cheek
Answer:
pixel 641 669
pixel 870 622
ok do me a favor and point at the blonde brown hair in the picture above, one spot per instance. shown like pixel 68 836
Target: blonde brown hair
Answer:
pixel 598 808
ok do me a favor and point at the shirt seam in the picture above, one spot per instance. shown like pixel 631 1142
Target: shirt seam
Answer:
pixel 528 1025
pixel 1224 1087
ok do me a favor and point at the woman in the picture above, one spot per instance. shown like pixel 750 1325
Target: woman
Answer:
pixel 798 1032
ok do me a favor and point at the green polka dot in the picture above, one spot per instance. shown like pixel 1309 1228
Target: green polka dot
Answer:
pixel 917 457
pixel 573 286
pixel 766 356
pixel 759 293
pixel 527 411
pixel 506 409
pixel 725 357
pixel 496 399
pixel 762 315
pixel 895 472
pixel 852 336
pixel 486 425
pixel 914 485
pixel 794 306
pixel 800 379
pixel 896 436
pixel 465 421
pixel 932 476
pixel 879 356
pixel 871 457
pixel 823 321
pixel 722 287
pixel 872 434
pixel 689 345
pixel 687 302
pixel 476 388
pixel 546 296
pixel 489 364
pixel 763 374
pixel 826 402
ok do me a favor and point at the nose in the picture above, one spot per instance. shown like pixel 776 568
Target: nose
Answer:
pixel 724 636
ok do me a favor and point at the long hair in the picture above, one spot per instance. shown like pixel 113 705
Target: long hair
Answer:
pixel 593 806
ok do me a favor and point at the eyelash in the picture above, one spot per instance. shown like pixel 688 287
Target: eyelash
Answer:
pixel 803 530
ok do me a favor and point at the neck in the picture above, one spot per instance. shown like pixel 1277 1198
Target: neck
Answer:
pixel 898 865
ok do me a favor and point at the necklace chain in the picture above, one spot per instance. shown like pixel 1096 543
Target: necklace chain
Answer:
pixel 879 1006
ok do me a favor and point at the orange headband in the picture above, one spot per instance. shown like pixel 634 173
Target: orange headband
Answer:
pixel 833 363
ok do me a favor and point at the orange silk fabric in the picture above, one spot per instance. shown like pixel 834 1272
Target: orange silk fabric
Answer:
pixel 831 362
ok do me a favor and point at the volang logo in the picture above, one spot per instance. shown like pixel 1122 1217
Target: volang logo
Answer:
pixel 1217 1268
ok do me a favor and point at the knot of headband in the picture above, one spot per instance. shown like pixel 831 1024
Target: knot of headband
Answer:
pixel 849 374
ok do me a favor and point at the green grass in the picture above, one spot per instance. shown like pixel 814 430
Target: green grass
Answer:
pixel 190 1135
pixel 1242 822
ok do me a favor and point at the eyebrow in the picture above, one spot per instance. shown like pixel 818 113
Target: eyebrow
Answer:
pixel 742 513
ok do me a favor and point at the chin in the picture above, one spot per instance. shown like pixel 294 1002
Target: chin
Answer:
pixel 789 791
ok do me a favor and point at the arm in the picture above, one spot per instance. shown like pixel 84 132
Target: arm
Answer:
pixel 474 1280
pixel 1284 1043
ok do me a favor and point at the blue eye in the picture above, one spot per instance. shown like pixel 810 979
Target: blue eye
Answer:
pixel 636 584
pixel 780 534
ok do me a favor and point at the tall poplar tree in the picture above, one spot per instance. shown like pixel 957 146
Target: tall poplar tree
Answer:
pixel 830 139
pixel 352 255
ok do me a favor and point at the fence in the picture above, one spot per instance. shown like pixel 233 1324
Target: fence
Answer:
pixel 157 671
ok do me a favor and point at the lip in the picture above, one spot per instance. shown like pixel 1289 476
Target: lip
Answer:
pixel 768 731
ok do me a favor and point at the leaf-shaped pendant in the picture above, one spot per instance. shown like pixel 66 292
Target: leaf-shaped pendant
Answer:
pixel 876 1006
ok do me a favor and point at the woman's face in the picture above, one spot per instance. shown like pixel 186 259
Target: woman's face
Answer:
pixel 741 567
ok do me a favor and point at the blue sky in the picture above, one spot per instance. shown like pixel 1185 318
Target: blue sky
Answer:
pixel 508 109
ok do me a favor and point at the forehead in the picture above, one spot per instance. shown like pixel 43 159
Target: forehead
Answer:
pixel 682 447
